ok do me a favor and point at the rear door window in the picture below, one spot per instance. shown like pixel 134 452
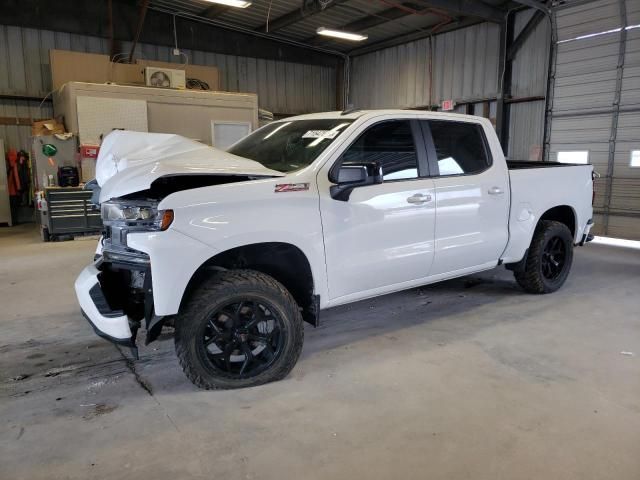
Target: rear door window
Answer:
pixel 459 147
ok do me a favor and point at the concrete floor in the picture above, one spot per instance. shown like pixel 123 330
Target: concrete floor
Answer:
pixel 467 379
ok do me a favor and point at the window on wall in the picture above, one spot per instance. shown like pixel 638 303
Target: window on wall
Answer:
pixel 635 158
pixel 459 146
pixel 574 156
pixel 391 145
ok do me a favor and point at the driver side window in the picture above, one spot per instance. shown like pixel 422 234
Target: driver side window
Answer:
pixel 391 145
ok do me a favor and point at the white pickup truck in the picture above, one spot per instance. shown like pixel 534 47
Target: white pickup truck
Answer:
pixel 238 248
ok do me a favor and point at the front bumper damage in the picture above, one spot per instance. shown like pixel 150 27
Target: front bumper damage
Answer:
pixel 115 294
pixel 112 325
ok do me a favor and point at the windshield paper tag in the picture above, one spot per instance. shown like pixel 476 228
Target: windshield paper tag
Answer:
pixel 321 134
pixel 291 187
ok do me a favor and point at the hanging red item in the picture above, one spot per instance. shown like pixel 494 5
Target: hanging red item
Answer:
pixel 13 177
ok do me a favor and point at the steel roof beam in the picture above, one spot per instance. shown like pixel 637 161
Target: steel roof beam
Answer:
pixel 213 11
pixel 524 34
pixel 467 8
pixel 295 16
pixel 411 37
pixel 535 4
pixel 368 21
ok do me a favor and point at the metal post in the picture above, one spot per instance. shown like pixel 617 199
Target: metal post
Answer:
pixel 343 77
pixel 551 83
pixel 615 114
pixel 502 68
pixel 143 12
pixel 507 83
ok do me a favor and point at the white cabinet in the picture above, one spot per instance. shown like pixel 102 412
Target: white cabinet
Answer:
pixel 190 113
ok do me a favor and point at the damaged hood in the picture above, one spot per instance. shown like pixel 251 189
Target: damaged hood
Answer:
pixel 130 162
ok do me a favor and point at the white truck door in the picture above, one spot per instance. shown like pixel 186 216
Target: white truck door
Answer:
pixel 383 234
pixel 472 196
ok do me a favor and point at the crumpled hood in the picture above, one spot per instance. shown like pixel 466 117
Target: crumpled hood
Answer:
pixel 129 162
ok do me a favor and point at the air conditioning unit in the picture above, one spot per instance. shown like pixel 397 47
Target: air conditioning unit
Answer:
pixel 164 77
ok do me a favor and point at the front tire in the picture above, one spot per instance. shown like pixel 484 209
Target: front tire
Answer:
pixel 240 329
pixel 548 260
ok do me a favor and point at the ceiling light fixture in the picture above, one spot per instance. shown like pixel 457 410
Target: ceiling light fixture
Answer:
pixel 232 3
pixel 354 37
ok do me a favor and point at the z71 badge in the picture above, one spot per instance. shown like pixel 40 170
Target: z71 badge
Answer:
pixel 291 187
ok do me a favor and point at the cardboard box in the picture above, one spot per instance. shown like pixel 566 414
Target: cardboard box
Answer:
pixel 69 66
pixel 46 127
pixel 127 74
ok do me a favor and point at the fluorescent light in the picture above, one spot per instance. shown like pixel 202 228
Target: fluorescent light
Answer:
pixel 231 3
pixel 355 37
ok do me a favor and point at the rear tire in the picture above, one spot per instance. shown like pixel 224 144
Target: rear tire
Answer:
pixel 240 329
pixel 548 260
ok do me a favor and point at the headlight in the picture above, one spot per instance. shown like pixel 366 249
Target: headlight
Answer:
pixel 113 211
pixel 141 214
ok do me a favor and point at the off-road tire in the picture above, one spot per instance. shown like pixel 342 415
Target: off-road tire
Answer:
pixel 223 287
pixel 532 279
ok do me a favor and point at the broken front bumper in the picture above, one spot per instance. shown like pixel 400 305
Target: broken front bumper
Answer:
pixel 112 325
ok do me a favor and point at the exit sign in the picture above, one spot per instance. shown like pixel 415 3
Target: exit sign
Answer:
pixel 447 105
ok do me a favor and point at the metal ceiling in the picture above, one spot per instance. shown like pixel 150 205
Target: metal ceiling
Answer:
pixel 381 20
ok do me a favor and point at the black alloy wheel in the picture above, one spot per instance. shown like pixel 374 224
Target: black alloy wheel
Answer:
pixel 239 328
pixel 553 258
pixel 549 258
pixel 242 338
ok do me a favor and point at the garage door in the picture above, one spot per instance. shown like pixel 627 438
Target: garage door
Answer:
pixel 595 105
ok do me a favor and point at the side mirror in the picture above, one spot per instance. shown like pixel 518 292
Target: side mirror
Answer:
pixel 352 175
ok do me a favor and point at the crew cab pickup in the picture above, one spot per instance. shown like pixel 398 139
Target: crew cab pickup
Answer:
pixel 237 248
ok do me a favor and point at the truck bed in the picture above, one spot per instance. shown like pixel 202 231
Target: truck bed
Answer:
pixel 536 187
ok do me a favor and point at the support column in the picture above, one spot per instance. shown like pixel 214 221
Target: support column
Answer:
pixel 615 114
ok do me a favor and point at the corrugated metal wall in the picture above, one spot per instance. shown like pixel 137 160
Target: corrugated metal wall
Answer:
pixel 465 69
pixel 282 87
pixel 529 79
pixel 464 65
pixel 526 130
pixel 593 76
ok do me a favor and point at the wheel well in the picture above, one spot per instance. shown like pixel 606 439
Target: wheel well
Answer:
pixel 282 261
pixel 563 214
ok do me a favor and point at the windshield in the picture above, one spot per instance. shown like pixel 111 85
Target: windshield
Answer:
pixel 287 146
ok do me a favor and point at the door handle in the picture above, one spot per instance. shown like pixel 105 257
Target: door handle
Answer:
pixel 495 191
pixel 419 199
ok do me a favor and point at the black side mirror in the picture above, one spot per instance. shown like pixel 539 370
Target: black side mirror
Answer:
pixel 352 175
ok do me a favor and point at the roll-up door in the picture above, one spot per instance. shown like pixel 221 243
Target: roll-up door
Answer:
pixel 595 105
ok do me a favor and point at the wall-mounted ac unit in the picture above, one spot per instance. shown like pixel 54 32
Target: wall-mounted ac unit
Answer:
pixel 164 77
